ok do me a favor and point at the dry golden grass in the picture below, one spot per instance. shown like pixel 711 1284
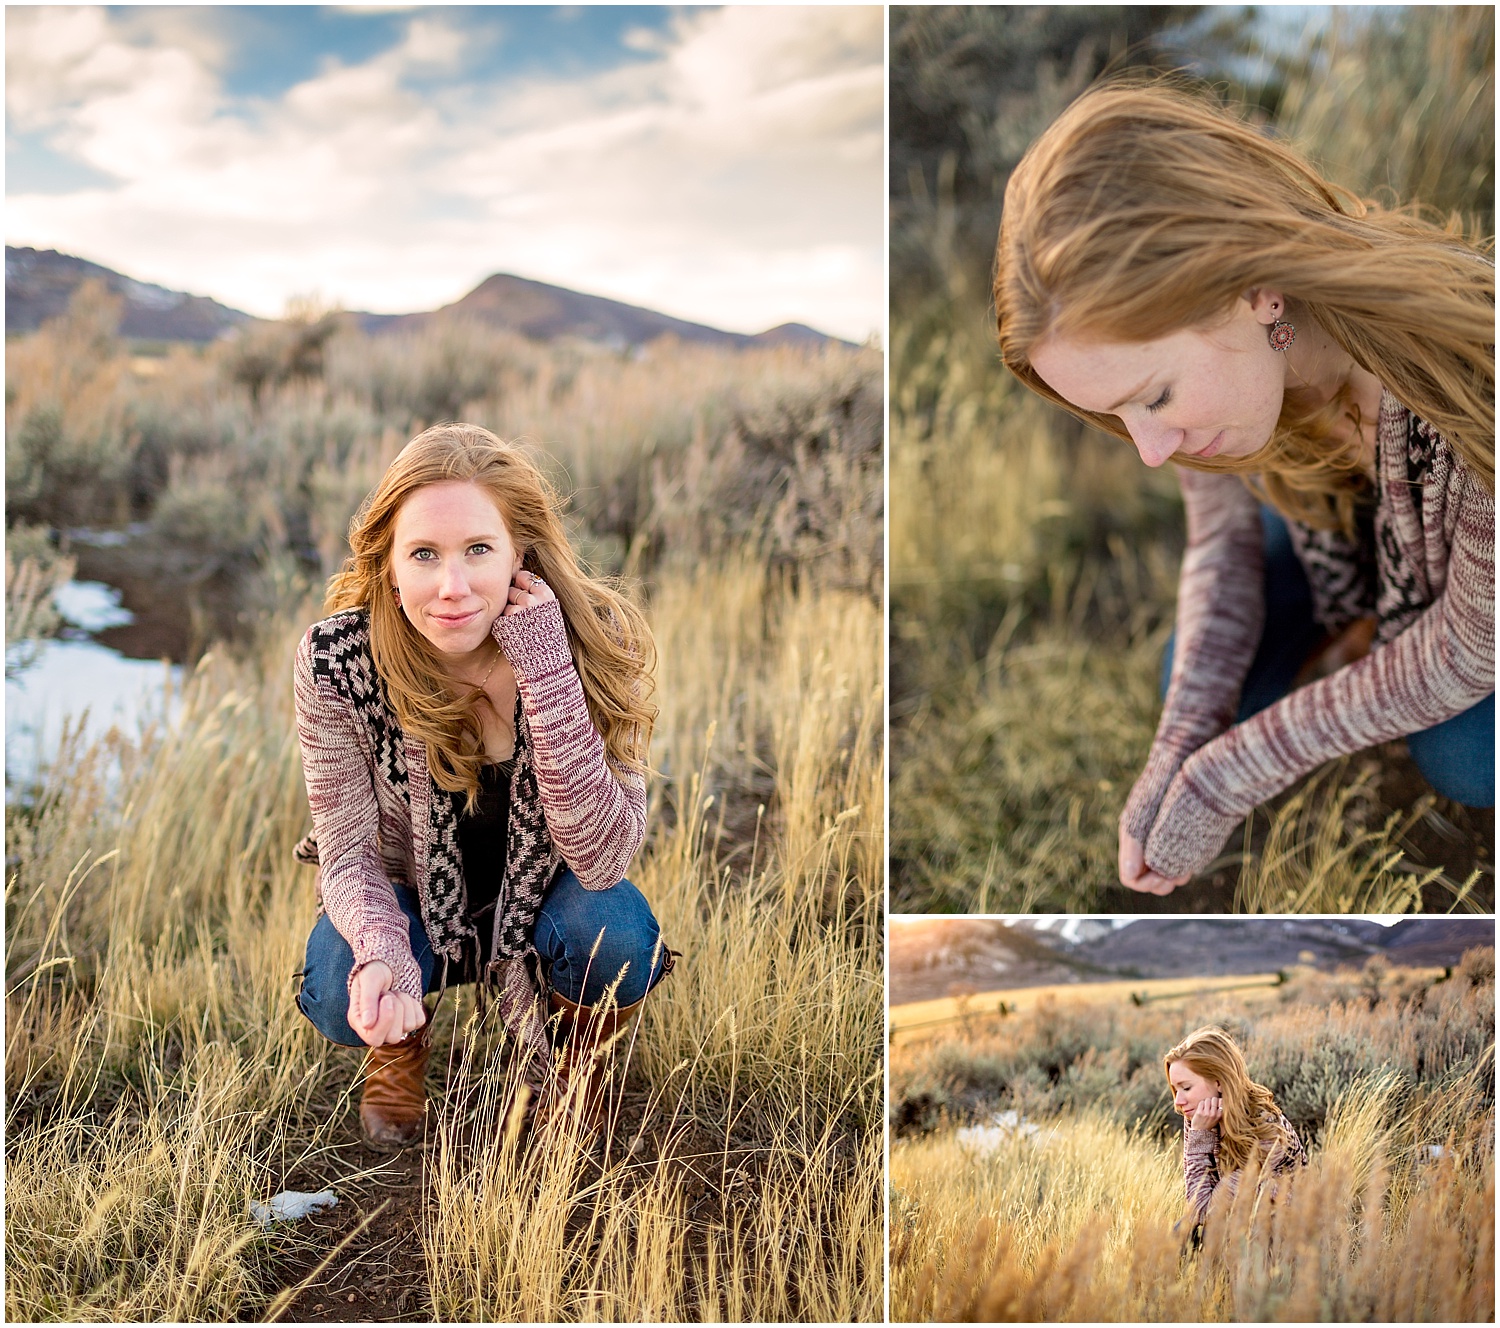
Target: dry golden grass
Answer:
pixel 1393 1220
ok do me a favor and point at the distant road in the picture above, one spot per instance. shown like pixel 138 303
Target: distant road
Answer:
pixel 930 1018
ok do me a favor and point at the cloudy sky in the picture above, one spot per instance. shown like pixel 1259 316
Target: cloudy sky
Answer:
pixel 722 165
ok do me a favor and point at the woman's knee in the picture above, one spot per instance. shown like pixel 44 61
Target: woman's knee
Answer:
pixel 324 997
pixel 593 939
pixel 1457 757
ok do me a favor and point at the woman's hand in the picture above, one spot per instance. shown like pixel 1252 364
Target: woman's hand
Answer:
pixel 527 590
pixel 1208 1113
pixel 1135 875
pixel 378 1014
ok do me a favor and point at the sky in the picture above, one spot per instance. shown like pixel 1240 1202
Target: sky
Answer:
pixel 724 165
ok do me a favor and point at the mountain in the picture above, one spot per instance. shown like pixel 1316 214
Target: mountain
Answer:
pixel 937 957
pixel 545 313
pixel 39 283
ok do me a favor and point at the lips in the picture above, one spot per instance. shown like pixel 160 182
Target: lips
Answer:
pixel 1213 447
pixel 453 620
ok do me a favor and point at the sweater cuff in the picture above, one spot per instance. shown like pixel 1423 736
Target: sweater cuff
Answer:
pixel 1144 802
pixel 1188 833
pixel 536 641
pixel 395 953
pixel 1201 1141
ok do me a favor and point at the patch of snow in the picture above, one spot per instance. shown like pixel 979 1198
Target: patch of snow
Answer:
pixel 91 605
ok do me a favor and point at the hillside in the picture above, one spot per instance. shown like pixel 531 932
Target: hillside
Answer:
pixel 546 313
pixel 40 282
pixel 933 958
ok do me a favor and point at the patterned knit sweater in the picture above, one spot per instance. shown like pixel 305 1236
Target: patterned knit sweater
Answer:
pixel 378 817
pixel 1430 582
pixel 1200 1162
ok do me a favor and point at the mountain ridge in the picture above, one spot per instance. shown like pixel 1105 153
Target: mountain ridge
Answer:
pixel 938 957
pixel 40 282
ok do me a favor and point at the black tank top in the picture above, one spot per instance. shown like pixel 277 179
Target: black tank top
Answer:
pixel 481 841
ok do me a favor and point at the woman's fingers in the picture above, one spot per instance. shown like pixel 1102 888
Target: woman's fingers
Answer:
pixel 1132 860
pixel 365 999
pixel 1136 875
pixel 413 1014
pixel 397 1016
pixel 527 590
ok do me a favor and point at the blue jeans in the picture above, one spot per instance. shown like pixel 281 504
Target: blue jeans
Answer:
pixel 1457 757
pixel 570 922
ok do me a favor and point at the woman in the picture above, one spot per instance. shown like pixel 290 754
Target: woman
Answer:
pixel 474 720
pixel 1227 1116
pixel 1193 286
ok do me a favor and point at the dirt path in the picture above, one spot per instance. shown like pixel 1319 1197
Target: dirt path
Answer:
pixel 380 1275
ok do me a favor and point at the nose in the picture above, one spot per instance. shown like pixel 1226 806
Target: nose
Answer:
pixel 453 584
pixel 1154 443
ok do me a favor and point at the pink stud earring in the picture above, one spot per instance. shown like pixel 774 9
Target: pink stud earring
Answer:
pixel 396 595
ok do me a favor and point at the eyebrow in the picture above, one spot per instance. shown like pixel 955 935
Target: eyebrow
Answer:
pixel 416 542
pixel 1110 410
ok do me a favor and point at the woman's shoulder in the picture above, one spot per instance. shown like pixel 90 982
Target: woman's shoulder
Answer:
pixel 1409 440
pixel 1286 1150
pixel 337 649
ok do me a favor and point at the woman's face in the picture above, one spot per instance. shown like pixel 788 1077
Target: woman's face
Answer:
pixel 1189 1088
pixel 1210 390
pixel 452 561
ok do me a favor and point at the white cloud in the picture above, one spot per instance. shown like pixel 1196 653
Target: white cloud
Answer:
pixel 736 180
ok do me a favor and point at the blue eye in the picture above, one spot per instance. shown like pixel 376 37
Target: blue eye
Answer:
pixel 422 555
pixel 1154 406
pixel 482 548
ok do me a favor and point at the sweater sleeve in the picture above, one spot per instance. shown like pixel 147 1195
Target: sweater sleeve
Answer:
pixel 1220 612
pixel 1440 666
pixel 357 894
pixel 597 819
pixel 1200 1165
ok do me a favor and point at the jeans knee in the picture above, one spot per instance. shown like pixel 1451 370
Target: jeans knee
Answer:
pixel 324 997
pixel 595 940
pixel 328 1011
pixel 623 956
pixel 1457 756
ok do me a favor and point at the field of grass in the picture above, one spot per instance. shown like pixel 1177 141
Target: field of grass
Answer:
pixel 1034 564
pixel 1387 1076
pixel 159 1077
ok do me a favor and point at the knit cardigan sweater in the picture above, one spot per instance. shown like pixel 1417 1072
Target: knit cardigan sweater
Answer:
pixel 1431 583
pixel 378 818
pixel 1200 1162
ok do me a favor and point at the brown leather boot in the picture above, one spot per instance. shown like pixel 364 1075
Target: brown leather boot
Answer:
pixel 394 1104
pixel 588 1037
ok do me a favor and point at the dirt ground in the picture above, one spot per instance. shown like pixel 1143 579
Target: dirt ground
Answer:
pixel 380 1274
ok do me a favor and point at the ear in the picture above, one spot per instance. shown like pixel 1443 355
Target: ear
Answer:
pixel 1266 304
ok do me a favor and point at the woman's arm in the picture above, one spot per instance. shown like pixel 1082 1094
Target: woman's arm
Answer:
pixel 1220 612
pixel 596 821
pixel 1200 1165
pixel 357 894
pixel 1440 666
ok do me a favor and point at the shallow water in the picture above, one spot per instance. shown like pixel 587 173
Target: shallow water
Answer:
pixel 76 680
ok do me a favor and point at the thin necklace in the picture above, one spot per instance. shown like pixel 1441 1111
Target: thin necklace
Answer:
pixel 493 664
